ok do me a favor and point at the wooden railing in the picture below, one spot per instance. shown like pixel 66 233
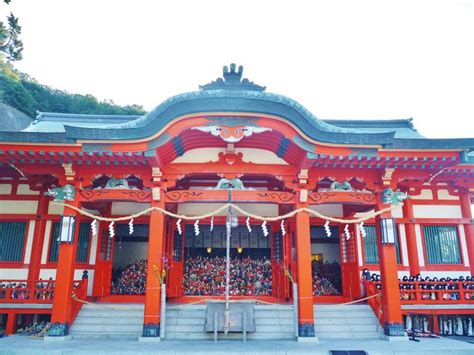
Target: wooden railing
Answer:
pixel 22 291
pixel 374 299
pixel 79 294
pixel 434 292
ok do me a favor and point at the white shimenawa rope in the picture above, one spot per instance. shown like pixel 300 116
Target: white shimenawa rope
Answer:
pixel 363 218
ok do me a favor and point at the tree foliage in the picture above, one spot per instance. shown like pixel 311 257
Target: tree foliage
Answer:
pixel 10 43
pixel 27 95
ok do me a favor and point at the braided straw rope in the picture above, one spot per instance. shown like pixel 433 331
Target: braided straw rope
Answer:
pixel 224 207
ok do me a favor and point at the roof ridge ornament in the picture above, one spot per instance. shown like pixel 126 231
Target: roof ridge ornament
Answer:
pixel 232 81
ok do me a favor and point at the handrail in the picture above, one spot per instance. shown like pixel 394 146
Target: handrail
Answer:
pixel 24 291
pixel 374 302
pixel 79 292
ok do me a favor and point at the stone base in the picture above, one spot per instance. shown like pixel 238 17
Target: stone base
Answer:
pixel 307 339
pixel 53 339
pixel 149 339
pixel 394 339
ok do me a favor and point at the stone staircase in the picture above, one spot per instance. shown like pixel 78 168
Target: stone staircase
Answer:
pixel 346 322
pixel 184 322
pixel 272 322
pixel 109 320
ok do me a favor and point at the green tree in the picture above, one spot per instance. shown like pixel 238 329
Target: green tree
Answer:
pixel 10 43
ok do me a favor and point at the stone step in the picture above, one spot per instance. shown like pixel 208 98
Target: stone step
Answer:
pixel 109 314
pixel 353 320
pixel 105 335
pixel 337 314
pixel 342 307
pixel 106 328
pixel 349 335
pixel 344 328
pixel 115 306
pixel 101 320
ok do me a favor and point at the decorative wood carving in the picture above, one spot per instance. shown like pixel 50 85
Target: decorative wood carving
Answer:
pixel 178 195
pixel 115 195
pixel 365 198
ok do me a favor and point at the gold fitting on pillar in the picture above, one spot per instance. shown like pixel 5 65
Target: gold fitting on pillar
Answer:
pixel 156 194
pixel 68 172
pixel 303 196
pixel 387 176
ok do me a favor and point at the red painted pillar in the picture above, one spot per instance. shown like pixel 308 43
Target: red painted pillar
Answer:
pixel 410 233
pixel 62 302
pixel 391 306
pixel 11 323
pixel 468 228
pixel 151 322
pixel 38 237
pixel 303 264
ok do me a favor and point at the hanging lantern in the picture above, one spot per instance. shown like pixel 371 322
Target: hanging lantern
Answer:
pixel 111 230
pixel 209 250
pixel 196 227
pixel 212 224
pixel 240 250
pixel 346 232
pixel 327 229
pixel 282 227
pixel 247 223
pixel 178 226
pixel 130 227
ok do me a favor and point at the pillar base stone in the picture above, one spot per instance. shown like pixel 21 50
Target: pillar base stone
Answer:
pixel 393 329
pixel 307 339
pixel 306 330
pixel 151 330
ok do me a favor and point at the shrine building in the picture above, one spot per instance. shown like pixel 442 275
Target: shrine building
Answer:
pixel 108 210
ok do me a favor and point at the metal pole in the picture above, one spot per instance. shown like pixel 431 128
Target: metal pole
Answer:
pixel 227 268
pixel 295 303
pixel 163 311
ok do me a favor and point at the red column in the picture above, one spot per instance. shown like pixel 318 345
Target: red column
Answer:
pixel 410 233
pixel 391 306
pixel 62 302
pixel 303 264
pixel 38 237
pixel 468 228
pixel 151 323
pixel 11 323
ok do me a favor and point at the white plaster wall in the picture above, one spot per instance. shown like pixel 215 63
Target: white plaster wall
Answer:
pixel 447 273
pixel 128 208
pixel 45 274
pixel 445 195
pixel 5 189
pixel 15 274
pixel 24 189
pixel 90 282
pixel 425 194
pixel 359 247
pixel 462 241
pixel 419 245
pixel 93 252
pixel 47 237
pixel 397 212
pixel 18 207
pixel 260 156
pixel 29 241
pixel 436 211
pixel 330 251
pixel 328 210
pixel 200 155
pixel 194 209
pixel 403 244
pixel 55 209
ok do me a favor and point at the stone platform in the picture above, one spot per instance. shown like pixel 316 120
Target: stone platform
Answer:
pixel 27 346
